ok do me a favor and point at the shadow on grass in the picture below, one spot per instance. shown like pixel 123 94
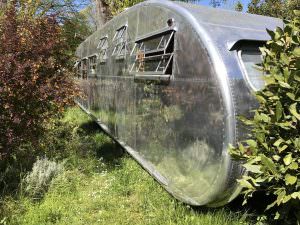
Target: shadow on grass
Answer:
pixel 90 127
pixel 108 150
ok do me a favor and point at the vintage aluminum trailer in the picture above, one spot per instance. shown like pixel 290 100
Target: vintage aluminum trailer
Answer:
pixel 167 81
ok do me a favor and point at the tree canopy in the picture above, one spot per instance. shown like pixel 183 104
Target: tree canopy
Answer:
pixel 275 8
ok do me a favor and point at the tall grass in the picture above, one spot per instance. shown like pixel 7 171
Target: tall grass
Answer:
pixel 102 185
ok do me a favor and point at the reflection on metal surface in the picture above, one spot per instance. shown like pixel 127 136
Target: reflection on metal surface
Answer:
pixel 172 99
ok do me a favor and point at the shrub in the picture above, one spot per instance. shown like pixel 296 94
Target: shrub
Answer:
pixel 39 179
pixel 272 154
pixel 35 85
pixel 35 82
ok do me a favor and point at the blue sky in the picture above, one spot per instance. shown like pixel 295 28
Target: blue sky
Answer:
pixel 228 5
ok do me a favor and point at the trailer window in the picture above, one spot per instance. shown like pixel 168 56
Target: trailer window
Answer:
pixel 103 46
pixel 154 54
pixel 251 59
pixel 77 67
pixel 84 67
pixel 92 65
pixel 120 43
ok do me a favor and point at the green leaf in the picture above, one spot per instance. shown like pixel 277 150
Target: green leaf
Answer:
pixel 278 77
pixel 269 164
pixel 285 125
pixel 279 111
pixel 252 168
pixel 286 73
pixel 296 52
pixel 278 142
pixel 284 85
pixel 260 137
pixel 246 121
pixel 261 99
pixel 297 78
pixel 269 80
pixel 286 198
pixel 293 166
pixel 296 195
pixel 277 34
pixel 281 149
pixel 293 110
pixel 241 148
pixel 291 96
pixel 277 216
pixel 297 143
pixel 281 193
pixel 290 180
pixel 262 117
pixel 246 184
pixel 288 159
pixel 285 59
pixel 271 205
pixel 276 158
pixel 296 12
pixel 271 33
pixel 252 143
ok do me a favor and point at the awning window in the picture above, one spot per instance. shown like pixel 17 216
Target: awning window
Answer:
pixel 154 53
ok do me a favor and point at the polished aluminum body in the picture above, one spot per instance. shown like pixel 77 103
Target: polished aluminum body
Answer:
pixel 174 106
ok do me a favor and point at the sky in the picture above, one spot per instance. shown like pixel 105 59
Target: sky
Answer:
pixel 228 5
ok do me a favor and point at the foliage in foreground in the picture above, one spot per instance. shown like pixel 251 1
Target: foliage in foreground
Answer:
pixel 272 153
pixel 35 82
pixel 100 185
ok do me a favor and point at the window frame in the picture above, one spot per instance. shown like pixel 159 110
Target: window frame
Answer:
pixel 120 41
pixel 158 52
pixel 103 49
pixel 84 67
pixel 77 68
pixel 94 64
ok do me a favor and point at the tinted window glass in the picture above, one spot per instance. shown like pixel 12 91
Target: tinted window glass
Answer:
pixel 252 60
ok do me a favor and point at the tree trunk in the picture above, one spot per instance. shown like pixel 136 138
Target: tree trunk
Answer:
pixel 103 13
pixel 2 3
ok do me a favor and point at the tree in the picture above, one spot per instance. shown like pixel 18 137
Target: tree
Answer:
pixel 35 82
pixel 239 7
pixel 2 3
pixel 275 8
pixel 106 9
pixel 75 30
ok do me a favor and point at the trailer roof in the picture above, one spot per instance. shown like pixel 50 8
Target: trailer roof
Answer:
pixel 230 18
pixel 224 25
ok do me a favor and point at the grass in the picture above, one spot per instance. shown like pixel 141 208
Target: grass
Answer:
pixel 102 185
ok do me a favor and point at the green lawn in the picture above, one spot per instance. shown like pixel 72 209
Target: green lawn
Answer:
pixel 102 185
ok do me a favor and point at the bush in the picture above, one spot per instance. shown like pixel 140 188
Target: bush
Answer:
pixel 272 153
pixel 35 82
pixel 35 85
pixel 39 179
